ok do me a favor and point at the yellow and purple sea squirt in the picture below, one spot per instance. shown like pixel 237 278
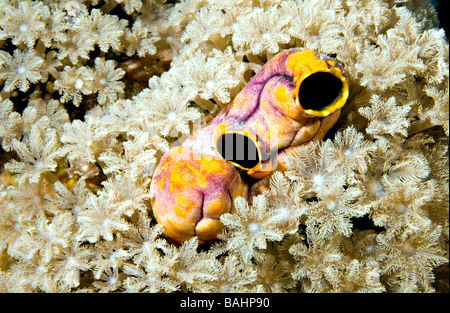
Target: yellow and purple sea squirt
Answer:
pixel 295 97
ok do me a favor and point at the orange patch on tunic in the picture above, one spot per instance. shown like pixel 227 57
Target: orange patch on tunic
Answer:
pixel 304 63
pixel 286 103
pixel 192 174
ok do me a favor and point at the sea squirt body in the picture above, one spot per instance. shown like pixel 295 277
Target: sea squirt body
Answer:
pixel 296 97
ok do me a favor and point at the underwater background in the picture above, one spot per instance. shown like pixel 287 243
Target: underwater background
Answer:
pixel 442 8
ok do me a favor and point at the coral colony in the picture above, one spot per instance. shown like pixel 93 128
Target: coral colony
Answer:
pixel 223 146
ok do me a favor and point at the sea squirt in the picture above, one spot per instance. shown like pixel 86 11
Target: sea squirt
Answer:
pixel 296 97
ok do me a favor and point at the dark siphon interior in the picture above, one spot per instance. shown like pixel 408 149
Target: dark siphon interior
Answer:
pixel 318 90
pixel 239 149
